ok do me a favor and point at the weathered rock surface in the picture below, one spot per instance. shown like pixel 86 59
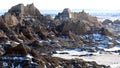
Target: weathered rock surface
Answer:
pixel 78 23
pixel 10 20
pixel 28 38
pixel 21 11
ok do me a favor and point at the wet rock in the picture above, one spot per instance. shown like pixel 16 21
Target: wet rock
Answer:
pixel 78 17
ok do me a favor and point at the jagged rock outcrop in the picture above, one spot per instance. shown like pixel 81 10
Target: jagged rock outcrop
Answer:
pixel 27 13
pixel 66 14
pixel 22 11
pixel 27 38
pixel 78 17
pixel 77 22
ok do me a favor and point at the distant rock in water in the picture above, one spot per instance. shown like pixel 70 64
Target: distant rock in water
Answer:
pixel 107 22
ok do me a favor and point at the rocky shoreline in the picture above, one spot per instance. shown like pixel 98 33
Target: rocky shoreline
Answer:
pixel 28 39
